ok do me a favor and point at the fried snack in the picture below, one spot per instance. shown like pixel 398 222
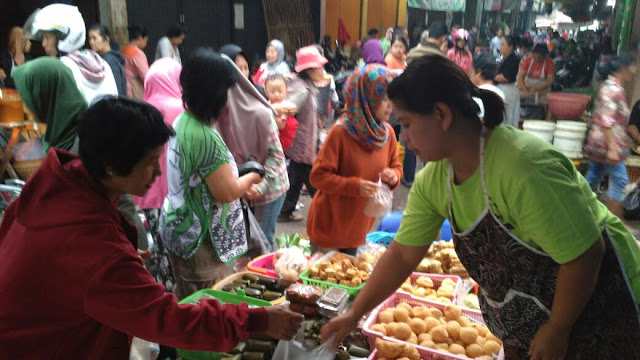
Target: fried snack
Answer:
pixel 306 294
pixel 442 346
pixel 429 344
pixel 401 315
pixel 492 337
pixel 332 280
pixel 322 275
pixel 364 276
pixel 379 328
pixel 345 282
pixel 421 312
pixel 407 287
pixel 464 321
pixel 314 271
pixel 468 335
pixel 388 349
pixel 444 300
pixel 419 292
pixel 480 340
pixel 386 316
pixel 331 272
pixel 418 326
pixel 440 334
pixel 474 351
pixel 452 312
pixel 413 339
pixel 491 347
pixel 436 313
pixel 445 291
pixel 482 330
pixel 424 337
pixel 408 307
pixel 356 281
pixel 431 323
pixel 410 353
pixel 453 328
pixel 425 282
pixel 457 349
pixel 351 273
pixel 402 331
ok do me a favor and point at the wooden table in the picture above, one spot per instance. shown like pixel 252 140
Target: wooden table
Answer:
pixel 6 154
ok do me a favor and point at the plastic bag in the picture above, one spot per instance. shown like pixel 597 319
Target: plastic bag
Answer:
pixel 381 203
pixel 28 150
pixel 143 350
pixel 291 350
pixel 291 263
pixel 367 256
pixel 258 242
pixel 632 205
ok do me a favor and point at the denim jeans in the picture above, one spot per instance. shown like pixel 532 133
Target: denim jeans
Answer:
pixel 267 216
pixel 409 165
pixel 618 178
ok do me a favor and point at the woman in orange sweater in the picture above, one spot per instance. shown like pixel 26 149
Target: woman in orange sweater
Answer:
pixel 357 153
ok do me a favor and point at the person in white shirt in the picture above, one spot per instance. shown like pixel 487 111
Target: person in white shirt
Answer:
pixel 168 45
pixel 484 71
pixel 62 28
pixel 495 43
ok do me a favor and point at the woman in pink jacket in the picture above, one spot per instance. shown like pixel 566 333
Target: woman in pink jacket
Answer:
pixel 162 90
pixel 459 54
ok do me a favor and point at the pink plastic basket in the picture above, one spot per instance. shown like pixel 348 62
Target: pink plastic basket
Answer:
pixel 424 355
pixel 402 297
pixel 263 265
pixel 437 281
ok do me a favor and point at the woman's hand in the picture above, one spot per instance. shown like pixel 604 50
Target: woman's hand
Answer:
pixel 389 177
pixel 143 256
pixel 282 323
pixel 252 193
pixel 339 327
pixel 368 188
pixel 612 156
pixel 285 108
pixel 550 343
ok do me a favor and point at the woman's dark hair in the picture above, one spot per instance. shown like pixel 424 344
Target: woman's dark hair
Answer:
pixel 304 75
pixel 540 49
pixel 175 31
pixel 511 41
pixel 105 33
pixel 414 91
pixel 205 79
pixel 137 31
pixel 103 143
pixel 620 61
pixel 524 42
pixel 402 40
pixel 486 64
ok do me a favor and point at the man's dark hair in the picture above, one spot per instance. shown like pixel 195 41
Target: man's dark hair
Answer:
pixel 438 30
pixel 540 49
pixel 205 79
pixel 118 133
pixel 486 64
pixel 175 31
pixel 373 32
pixel 137 31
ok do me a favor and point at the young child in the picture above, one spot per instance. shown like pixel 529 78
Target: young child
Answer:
pixel 276 89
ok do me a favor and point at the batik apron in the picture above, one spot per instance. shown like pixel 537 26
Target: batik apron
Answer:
pixel 539 97
pixel 517 285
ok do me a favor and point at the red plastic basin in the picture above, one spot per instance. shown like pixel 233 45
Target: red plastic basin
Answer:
pixel 567 106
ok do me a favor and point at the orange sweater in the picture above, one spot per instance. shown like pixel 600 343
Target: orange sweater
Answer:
pixel 336 217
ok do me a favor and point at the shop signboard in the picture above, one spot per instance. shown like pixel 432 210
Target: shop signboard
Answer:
pixel 438 5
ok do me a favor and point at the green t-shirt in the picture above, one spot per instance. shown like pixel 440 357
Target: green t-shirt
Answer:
pixel 190 211
pixel 535 191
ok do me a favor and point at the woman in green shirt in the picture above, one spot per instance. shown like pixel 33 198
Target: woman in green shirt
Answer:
pixel 558 273
pixel 202 222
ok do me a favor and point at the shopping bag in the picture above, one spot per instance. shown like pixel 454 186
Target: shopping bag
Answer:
pixel 381 203
pixel 293 350
pixel 143 350
pixel 258 242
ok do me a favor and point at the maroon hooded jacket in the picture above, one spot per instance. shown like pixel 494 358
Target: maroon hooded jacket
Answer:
pixel 72 286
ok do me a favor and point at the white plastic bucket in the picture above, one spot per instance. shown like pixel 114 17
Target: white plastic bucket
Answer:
pixel 542 129
pixel 577 126
pixel 569 142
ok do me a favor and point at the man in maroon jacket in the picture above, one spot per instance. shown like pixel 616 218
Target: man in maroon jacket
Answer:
pixel 72 285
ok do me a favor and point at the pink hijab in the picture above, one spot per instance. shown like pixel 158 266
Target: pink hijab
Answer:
pixel 162 90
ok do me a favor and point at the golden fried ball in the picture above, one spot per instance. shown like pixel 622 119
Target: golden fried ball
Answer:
pixel 436 313
pixel 457 349
pixel 453 328
pixel 402 331
pixel 480 340
pixel 439 334
pixel 491 347
pixel 468 335
pixel 464 321
pixel 442 346
pixel 482 330
pixel 474 351
pixel 430 344
pixel 407 307
pixel 385 317
pixel 490 336
pixel 413 339
pixel 401 315
pixel 424 337
pixel 418 326
pixel 421 312
pixel 452 312
pixel 379 328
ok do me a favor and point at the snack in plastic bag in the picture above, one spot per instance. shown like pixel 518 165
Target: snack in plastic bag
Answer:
pixel 381 203
pixel 291 263
pixel 367 256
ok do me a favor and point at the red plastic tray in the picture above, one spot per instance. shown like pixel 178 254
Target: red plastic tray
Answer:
pixel 402 297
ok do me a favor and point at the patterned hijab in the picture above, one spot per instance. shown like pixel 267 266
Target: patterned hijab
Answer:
pixel 364 91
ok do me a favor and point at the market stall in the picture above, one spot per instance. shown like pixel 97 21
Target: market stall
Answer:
pixel 433 315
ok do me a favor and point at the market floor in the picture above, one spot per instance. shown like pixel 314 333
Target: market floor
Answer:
pixel 399 204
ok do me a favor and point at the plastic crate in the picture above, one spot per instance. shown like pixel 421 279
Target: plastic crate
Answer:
pixel 229 279
pixel 437 281
pixel 263 265
pixel 324 285
pixel 380 238
pixel 224 298
pixel 401 297
pixel 424 355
